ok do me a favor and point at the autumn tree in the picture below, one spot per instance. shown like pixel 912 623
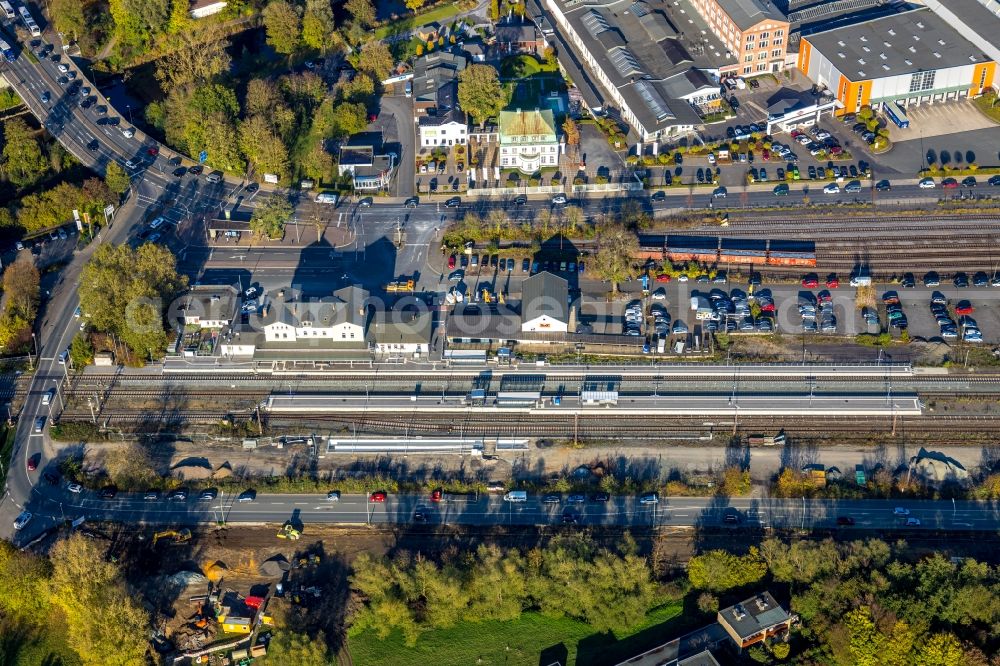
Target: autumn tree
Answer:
pixel 23 161
pixel 20 303
pixel 283 26
pixel 23 580
pixel 376 59
pixel 290 647
pixel 196 60
pixel 362 11
pixel 615 256
pixel 130 466
pixel 480 93
pixel 263 148
pixel 414 5
pixel 270 216
pixel 572 132
pixel 104 622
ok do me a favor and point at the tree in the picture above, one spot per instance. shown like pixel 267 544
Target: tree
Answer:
pixel 616 248
pixel 719 570
pixel 414 5
pixel 124 290
pixel 708 603
pixel 376 59
pixel 104 623
pixel 23 161
pixel 81 352
pixel 263 148
pixel 68 17
pixel 480 93
pixel 130 467
pixel 196 60
pixel 23 579
pixel 572 132
pixel 20 303
pixel 269 217
pixel 359 89
pixel 116 179
pixel 283 26
pixel 289 647
pixel 349 119
pixel 180 18
pixel 362 10
pixel 318 25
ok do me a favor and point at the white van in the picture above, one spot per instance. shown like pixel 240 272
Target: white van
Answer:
pixel 516 496
pixel 326 198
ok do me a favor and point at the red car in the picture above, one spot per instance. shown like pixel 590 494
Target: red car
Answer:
pixel 377 496
pixel 663 277
pixel 810 282
pixel 949 183
pixel 767 307
pixel 824 297
pixel 765 155
pixel 451 261
pixel 832 282
pixel 33 462
pixel 372 117
pixel 836 150
pixel 964 308
pixel 154 151
pixel 436 495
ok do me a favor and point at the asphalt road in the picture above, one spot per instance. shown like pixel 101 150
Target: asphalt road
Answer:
pixel 302 510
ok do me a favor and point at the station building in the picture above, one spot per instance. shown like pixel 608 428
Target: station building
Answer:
pixel 913 57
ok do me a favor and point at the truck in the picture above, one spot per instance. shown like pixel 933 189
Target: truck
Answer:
pixel 29 22
pixel 399 286
pixel 516 496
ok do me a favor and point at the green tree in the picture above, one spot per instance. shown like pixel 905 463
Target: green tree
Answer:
pixel 23 580
pixel 283 26
pixel 263 149
pixel 180 19
pixel 81 352
pixel 376 59
pixel 614 259
pixel 116 179
pixel 941 649
pixel 269 217
pixel 719 570
pixel 480 93
pixel 363 12
pixel 289 647
pixel 349 119
pixel 104 622
pixel 68 17
pixel 124 291
pixel 360 89
pixel 318 27
pixel 23 161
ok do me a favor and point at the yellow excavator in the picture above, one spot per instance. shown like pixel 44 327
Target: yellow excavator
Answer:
pixel 289 532
pixel 178 536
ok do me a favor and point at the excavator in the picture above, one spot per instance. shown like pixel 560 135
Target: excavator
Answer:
pixel 178 536
pixel 287 531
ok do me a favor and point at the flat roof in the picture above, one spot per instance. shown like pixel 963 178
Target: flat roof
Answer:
pixel 637 47
pixel 753 615
pixel 912 41
pixel 748 13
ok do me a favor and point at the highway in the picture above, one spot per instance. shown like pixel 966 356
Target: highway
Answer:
pixel 492 509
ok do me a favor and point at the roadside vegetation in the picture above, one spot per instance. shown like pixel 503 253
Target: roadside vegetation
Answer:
pixel 124 293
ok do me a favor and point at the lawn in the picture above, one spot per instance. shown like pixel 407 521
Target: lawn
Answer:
pixel 440 14
pixel 987 103
pixel 523 66
pixel 520 642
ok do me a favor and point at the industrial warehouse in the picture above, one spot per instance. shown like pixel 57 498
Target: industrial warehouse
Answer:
pixel 914 57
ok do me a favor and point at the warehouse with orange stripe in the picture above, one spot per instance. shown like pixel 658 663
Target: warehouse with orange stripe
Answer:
pixel 913 57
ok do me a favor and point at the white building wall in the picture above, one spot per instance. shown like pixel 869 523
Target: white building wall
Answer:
pixel 450 134
pixel 899 86
pixel 544 324
pixel 281 332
